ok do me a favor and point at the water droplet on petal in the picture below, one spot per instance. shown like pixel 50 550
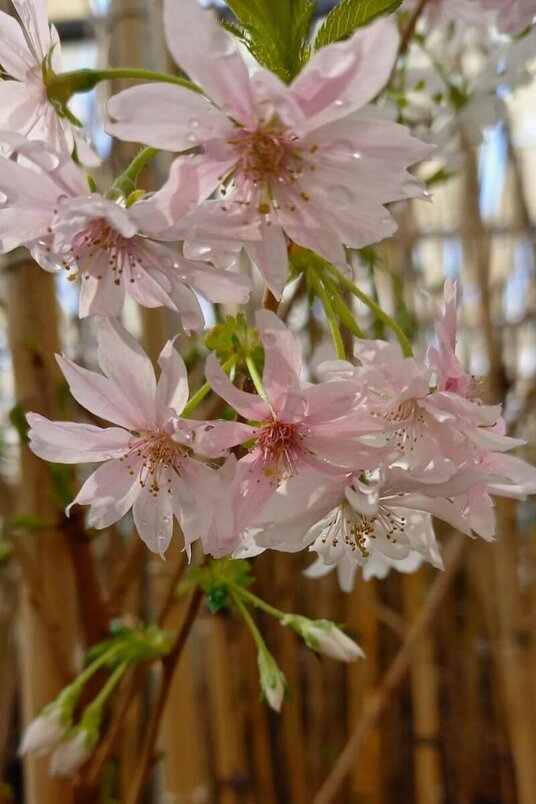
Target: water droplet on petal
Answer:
pixel 339 102
pixel 165 518
pixel 340 196
pixel 191 138
pixel 222 44
pixel 194 122
pixel 356 155
pixel 412 187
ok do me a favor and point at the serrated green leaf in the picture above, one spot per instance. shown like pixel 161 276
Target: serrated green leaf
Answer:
pixel 349 15
pixel 275 33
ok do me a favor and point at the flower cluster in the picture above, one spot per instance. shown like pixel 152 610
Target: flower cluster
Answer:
pixel 270 179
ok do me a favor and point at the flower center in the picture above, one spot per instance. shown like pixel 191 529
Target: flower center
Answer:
pixel 266 154
pixel 99 247
pixel 159 454
pixel 412 421
pixel 280 445
pixel 356 530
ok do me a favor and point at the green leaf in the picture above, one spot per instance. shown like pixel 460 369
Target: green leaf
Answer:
pixel 349 15
pixel 276 33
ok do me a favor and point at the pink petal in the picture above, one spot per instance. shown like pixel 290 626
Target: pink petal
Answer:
pixel 100 395
pixel 213 284
pixel 157 212
pixel 20 227
pixel 187 305
pixel 125 363
pixel 101 296
pixel 342 77
pixel 282 358
pixel 111 491
pixel 33 15
pixel 271 257
pixel 172 388
pixel 67 442
pixel 165 116
pixel 153 518
pixel 15 57
pixel 212 439
pixel 248 405
pixel 204 50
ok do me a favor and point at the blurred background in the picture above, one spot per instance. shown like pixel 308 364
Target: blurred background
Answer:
pixel 460 725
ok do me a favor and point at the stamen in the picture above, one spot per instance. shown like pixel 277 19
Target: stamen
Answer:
pixel 280 445
pixel 158 453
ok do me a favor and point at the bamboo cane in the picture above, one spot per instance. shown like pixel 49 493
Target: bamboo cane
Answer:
pixel 33 338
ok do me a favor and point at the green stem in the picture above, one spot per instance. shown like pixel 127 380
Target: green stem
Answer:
pixel 373 307
pixel 63 86
pixel 203 391
pixel 127 181
pixel 255 601
pixel 332 318
pixel 100 699
pixel 250 622
pixel 256 378
pixel 341 308
pixel 96 665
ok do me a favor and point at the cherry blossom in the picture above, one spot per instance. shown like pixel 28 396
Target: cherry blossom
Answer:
pixel 147 454
pixel 25 51
pixel 294 155
pixel 112 245
pixel 296 426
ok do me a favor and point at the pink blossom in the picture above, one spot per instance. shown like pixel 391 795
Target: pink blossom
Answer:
pixel 297 425
pixel 112 246
pixel 146 454
pixel 24 103
pixel 510 16
pixel 347 519
pixel 293 155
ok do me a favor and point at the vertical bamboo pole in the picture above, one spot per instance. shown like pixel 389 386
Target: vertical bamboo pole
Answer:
pixel 513 655
pixel 48 615
pixel 366 778
pixel 429 787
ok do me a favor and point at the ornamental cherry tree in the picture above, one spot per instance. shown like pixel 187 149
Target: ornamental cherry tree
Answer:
pixel 289 153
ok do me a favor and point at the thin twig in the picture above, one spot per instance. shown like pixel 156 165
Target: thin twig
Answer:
pixel 169 666
pixel 410 30
pixel 269 301
pixel 394 675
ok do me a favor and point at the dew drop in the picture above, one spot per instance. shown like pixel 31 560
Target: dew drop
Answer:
pixel 340 196
pixel 194 122
pixel 191 138
pixel 221 44
pixel 356 155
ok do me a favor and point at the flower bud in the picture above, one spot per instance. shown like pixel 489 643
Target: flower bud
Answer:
pixel 71 754
pixel 325 637
pixel 43 733
pixel 272 680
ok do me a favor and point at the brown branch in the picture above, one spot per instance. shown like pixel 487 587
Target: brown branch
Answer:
pixel 95 607
pixel 269 301
pixel 128 571
pixel 394 675
pixel 169 666
pixel 410 30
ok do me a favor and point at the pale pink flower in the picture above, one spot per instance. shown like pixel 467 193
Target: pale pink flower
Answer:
pixel 293 155
pixel 24 103
pixel 510 16
pixel 300 426
pixel 113 247
pixel 513 16
pixel 148 464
